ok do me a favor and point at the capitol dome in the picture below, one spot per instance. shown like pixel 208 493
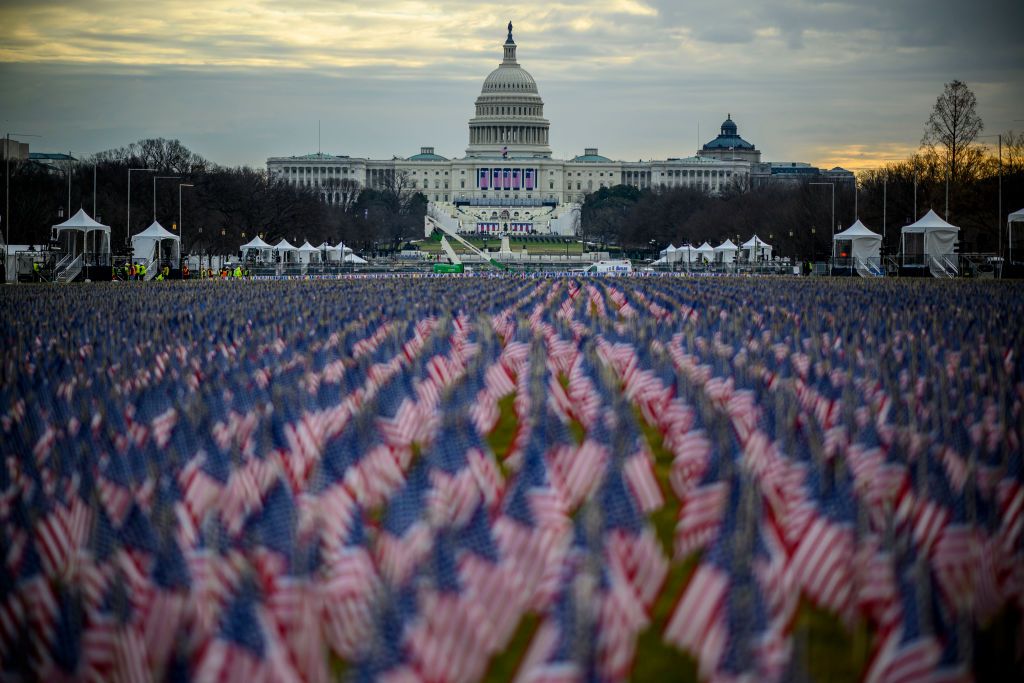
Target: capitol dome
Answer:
pixel 511 78
pixel 509 120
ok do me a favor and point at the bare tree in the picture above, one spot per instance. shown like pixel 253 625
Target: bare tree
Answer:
pixel 159 153
pixel 951 130
pixel 347 191
pixel 1013 152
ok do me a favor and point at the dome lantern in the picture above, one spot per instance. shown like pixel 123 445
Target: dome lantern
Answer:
pixel 728 126
pixel 510 47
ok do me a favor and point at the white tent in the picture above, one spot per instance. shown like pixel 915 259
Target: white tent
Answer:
pixel 1015 217
pixel 686 254
pixel 726 252
pixel 308 253
pixel 256 245
pixel 757 249
pixel 705 252
pixel 328 253
pixel 340 246
pixel 352 258
pixel 667 250
pixel 155 244
pixel 95 236
pixel 865 248
pixel 286 250
pixel 936 244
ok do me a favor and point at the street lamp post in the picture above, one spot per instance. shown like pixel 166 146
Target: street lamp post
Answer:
pixel 999 209
pixel 69 191
pixel 128 227
pixel 156 178
pixel 181 228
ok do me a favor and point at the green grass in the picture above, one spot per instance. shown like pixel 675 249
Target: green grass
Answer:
pixel 826 650
pixel 337 666
pixel 500 438
pixel 655 659
pixel 663 519
pixel 503 666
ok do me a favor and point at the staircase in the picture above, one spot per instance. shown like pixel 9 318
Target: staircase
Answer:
pixel 942 267
pixel 68 269
pixel 868 268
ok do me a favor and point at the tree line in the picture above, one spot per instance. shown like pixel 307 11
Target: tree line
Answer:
pixel 225 207
pixel 220 208
pixel 951 169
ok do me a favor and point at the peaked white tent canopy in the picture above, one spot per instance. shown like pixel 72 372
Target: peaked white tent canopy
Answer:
pixel 726 251
pixel 329 253
pixel 156 243
pixel 667 250
pixel 286 249
pixel 1015 217
pixel 95 236
pixel 308 253
pixel 705 252
pixel 937 242
pixel 685 253
pixel 865 247
pixel 757 249
pixel 256 246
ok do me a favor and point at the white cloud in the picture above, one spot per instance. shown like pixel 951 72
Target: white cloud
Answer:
pixel 805 80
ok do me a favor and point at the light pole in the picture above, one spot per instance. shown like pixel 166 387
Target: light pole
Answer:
pixel 833 186
pixel 7 188
pixel 156 178
pixel 128 227
pixel 999 209
pixel 70 159
pixel 181 228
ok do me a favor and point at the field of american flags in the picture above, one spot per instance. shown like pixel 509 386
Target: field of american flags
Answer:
pixel 553 479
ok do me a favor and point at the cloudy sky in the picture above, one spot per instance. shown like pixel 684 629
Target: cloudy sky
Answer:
pixel 846 82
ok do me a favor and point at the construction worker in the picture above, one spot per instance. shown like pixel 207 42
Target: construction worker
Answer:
pixel 238 271
pixel 35 271
pixel 133 271
pixel 184 271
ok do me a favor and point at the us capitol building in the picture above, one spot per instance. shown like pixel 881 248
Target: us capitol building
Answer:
pixel 507 181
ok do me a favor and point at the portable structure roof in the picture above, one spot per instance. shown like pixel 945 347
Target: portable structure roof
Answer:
pixel 149 244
